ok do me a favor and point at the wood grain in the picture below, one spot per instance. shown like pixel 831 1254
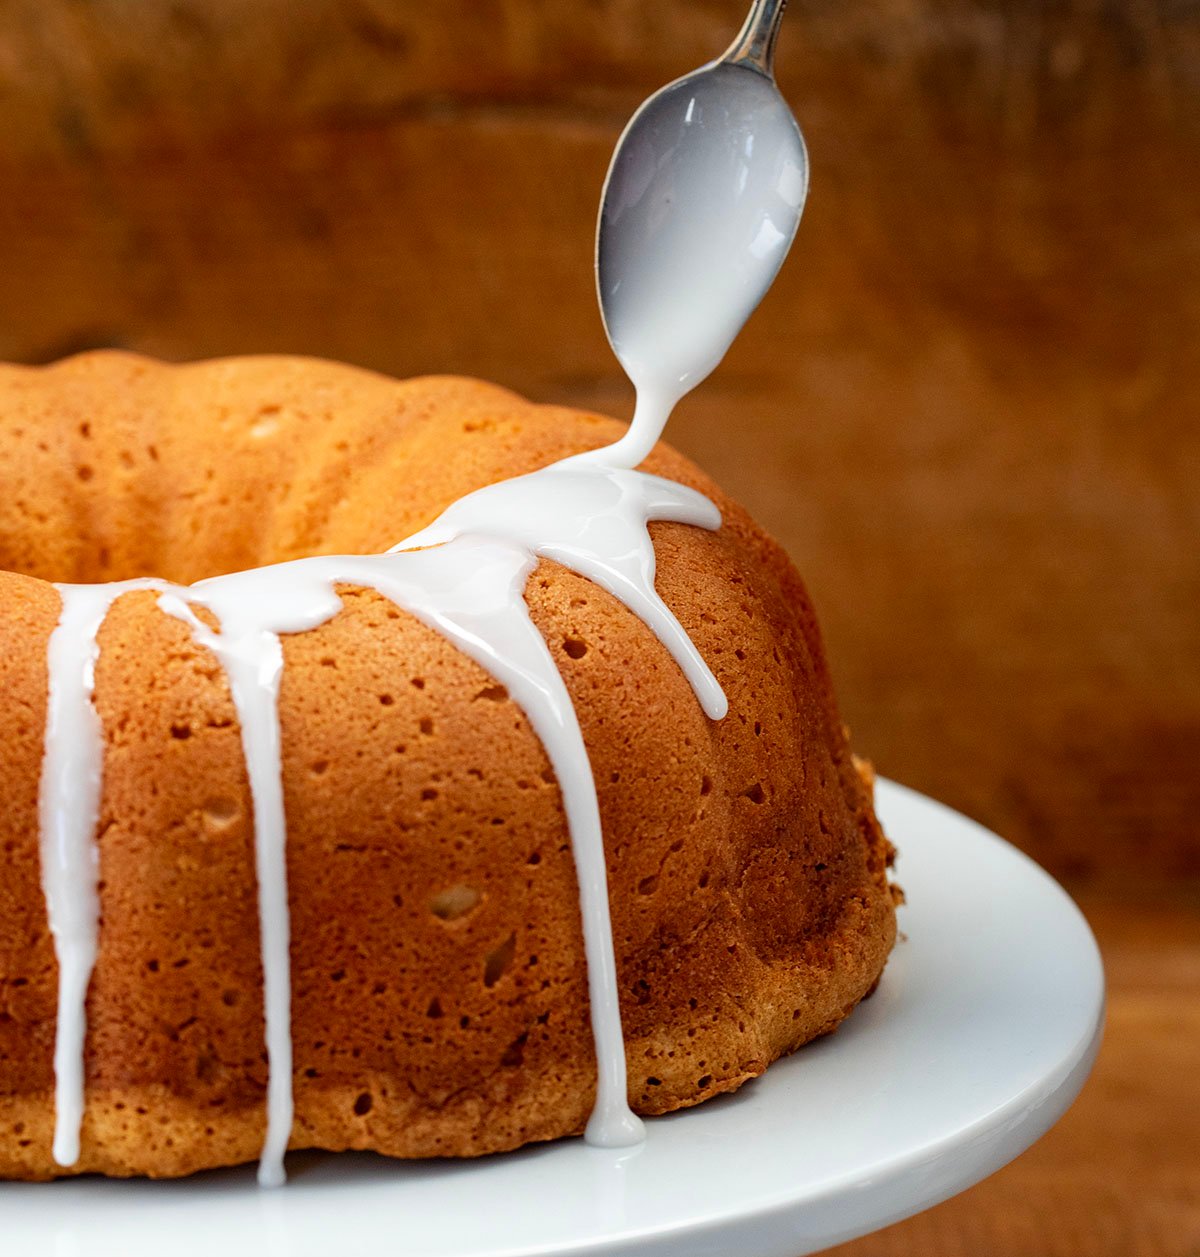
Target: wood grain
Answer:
pixel 968 407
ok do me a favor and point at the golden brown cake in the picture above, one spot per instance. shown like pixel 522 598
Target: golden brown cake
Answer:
pixel 439 999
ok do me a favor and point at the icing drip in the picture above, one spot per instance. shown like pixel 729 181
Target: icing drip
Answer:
pixel 252 657
pixel 592 518
pixel 654 400
pixel 68 809
pixel 464 576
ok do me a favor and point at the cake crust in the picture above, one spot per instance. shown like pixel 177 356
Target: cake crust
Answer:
pixel 438 975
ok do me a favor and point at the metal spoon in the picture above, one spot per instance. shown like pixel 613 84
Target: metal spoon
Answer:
pixel 702 201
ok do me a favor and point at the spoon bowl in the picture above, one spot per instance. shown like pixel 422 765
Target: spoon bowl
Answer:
pixel 701 204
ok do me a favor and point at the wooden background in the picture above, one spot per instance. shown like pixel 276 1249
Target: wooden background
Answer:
pixel 970 407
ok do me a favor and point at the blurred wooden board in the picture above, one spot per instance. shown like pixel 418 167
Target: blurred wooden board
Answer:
pixel 969 407
pixel 1120 1175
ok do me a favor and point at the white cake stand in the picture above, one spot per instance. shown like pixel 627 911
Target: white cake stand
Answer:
pixel 982 1032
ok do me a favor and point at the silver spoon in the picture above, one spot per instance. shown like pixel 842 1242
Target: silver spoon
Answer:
pixel 702 201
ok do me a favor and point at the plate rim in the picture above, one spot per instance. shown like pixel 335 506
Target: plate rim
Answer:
pixel 1035 1110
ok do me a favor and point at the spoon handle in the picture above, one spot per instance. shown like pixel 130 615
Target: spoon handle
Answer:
pixel 755 44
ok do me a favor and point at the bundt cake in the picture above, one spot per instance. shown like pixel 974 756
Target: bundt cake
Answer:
pixel 308 852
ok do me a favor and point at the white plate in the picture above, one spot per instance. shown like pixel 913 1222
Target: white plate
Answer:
pixel 980 1036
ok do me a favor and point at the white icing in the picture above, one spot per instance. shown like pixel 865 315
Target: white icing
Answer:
pixel 68 809
pixel 592 517
pixel 464 576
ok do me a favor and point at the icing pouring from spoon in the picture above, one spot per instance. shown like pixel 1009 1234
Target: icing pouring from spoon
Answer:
pixel 702 201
